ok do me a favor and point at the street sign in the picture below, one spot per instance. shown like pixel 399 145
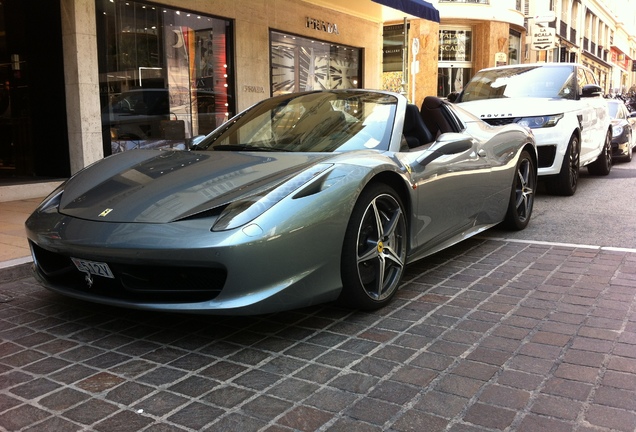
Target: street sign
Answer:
pixel 546 17
pixel 543 38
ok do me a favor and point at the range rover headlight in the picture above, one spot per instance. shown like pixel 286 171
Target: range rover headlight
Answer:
pixel 539 122
pixel 246 210
pixel 617 130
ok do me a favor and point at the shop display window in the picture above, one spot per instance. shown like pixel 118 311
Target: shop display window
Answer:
pixel 300 64
pixel 165 75
pixel 393 52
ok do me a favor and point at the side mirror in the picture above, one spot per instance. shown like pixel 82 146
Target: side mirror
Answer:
pixel 452 97
pixel 592 90
pixel 447 144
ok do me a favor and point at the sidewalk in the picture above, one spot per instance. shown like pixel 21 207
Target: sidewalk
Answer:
pixel 14 249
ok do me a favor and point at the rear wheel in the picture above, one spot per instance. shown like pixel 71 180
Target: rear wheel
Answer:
pixel 603 165
pixel 522 194
pixel 566 181
pixel 374 249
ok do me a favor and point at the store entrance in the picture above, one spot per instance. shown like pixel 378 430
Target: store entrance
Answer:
pixel 15 136
pixel 33 131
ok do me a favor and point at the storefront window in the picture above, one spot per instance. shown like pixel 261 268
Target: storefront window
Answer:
pixel 301 64
pixel 514 47
pixel 455 60
pixel 393 53
pixel 165 75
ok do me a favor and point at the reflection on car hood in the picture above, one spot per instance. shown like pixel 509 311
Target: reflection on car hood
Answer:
pixel 518 107
pixel 160 186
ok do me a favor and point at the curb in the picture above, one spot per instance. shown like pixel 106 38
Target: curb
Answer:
pixel 15 269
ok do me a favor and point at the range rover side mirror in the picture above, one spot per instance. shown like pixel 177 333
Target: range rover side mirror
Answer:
pixel 592 90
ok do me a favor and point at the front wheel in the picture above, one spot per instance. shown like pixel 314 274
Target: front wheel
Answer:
pixel 566 181
pixel 524 185
pixel 603 165
pixel 374 249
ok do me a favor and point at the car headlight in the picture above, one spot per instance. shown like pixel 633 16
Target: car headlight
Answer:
pixel 540 121
pixel 51 203
pixel 617 130
pixel 241 212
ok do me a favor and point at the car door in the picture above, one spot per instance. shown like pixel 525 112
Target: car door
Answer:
pixel 594 118
pixel 452 180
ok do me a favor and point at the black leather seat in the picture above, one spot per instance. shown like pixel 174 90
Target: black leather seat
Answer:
pixel 436 116
pixel 415 131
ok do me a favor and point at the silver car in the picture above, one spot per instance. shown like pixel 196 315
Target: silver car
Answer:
pixel 301 199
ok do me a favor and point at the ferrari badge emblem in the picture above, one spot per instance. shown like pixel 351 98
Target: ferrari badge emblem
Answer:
pixel 105 212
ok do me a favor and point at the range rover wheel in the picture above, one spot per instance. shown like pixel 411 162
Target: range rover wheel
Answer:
pixel 566 181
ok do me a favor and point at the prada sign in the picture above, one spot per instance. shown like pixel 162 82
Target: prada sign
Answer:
pixel 320 25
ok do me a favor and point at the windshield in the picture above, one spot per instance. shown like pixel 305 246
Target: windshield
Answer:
pixel 326 121
pixel 613 109
pixel 522 81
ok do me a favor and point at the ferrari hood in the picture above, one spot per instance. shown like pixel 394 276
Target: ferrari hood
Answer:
pixel 518 107
pixel 159 186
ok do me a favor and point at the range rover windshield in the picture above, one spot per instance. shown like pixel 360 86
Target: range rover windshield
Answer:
pixel 522 81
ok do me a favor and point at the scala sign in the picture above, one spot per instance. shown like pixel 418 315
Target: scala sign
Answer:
pixel 543 38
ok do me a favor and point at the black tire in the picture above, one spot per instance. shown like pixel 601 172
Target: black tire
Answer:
pixel 374 249
pixel 566 181
pixel 524 185
pixel 628 157
pixel 603 165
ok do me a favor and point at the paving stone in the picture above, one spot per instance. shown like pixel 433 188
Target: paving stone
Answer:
pixel 161 403
pixel 557 407
pixel 196 415
pixel 63 399
pixel 417 421
pixel 228 396
pixel 21 416
pixel 611 418
pixel 490 416
pixel 506 397
pixel 534 423
pixel 266 407
pixel 90 412
pixel 441 404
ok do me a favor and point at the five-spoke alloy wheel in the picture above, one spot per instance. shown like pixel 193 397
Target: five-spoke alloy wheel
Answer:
pixel 374 249
pixel 524 185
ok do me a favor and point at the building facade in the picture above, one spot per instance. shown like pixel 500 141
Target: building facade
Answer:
pixel 97 77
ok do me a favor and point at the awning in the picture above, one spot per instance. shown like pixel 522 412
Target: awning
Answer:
pixel 418 8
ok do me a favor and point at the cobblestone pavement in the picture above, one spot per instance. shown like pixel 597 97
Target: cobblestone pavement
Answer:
pixel 488 335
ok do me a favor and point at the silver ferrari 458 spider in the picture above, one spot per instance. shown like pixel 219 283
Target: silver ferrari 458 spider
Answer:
pixel 301 199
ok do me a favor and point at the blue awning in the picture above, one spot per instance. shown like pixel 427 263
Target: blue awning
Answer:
pixel 418 8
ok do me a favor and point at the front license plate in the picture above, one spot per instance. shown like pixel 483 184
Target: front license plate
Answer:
pixel 93 267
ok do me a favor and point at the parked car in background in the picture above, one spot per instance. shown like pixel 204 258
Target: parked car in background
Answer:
pixel 563 105
pixel 623 130
pixel 301 199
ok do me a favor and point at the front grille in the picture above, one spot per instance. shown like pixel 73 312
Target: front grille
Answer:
pixel 143 283
pixel 546 155
pixel 500 121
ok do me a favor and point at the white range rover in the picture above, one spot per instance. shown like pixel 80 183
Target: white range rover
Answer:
pixel 563 105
